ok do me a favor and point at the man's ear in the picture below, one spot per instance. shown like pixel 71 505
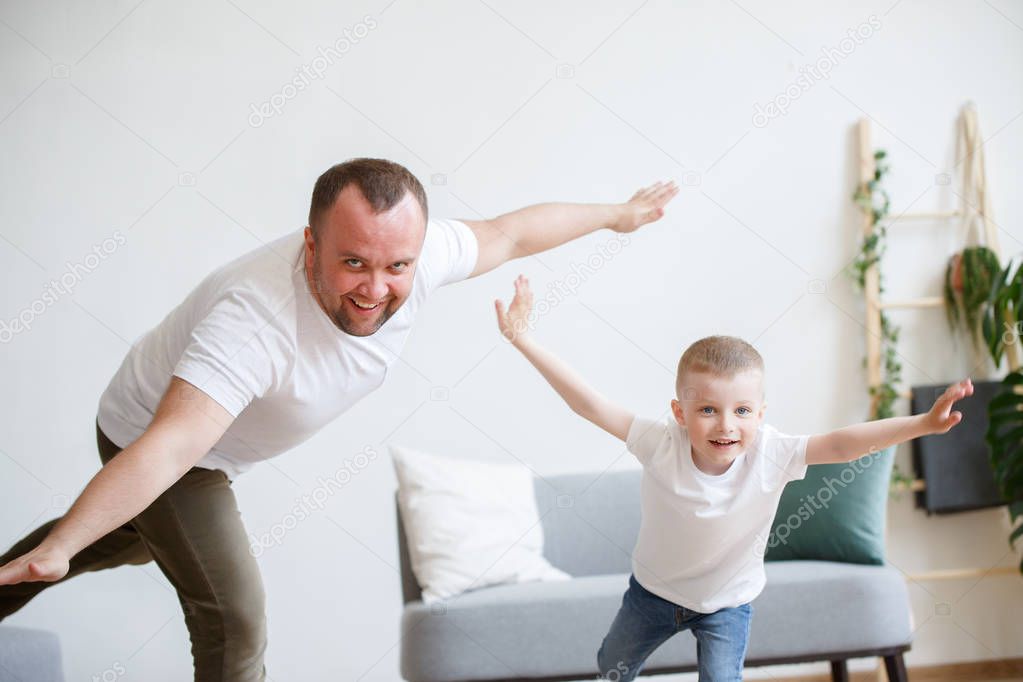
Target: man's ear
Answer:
pixel 676 410
pixel 310 247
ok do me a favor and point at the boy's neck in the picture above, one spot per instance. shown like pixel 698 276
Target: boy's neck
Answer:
pixel 710 467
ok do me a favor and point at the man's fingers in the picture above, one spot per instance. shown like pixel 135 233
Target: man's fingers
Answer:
pixel 649 190
pixel 11 574
pixel 668 191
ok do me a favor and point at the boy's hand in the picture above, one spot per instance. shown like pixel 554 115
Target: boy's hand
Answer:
pixel 645 206
pixel 514 324
pixel 940 418
pixel 39 565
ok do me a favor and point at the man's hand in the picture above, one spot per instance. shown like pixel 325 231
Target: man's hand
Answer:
pixel 514 324
pixel 941 418
pixel 645 206
pixel 42 564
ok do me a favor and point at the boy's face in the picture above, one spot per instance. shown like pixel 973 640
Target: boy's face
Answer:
pixel 722 415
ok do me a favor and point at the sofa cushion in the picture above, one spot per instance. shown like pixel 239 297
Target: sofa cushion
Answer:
pixel 836 513
pixel 550 629
pixel 27 654
pixel 590 521
pixel 469 523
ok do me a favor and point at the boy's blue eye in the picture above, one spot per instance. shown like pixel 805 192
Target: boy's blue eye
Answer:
pixel 744 411
pixel 706 410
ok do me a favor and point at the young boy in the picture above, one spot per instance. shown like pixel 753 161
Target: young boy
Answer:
pixel 712 478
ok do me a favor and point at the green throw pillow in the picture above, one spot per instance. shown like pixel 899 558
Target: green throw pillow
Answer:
pixel 836 513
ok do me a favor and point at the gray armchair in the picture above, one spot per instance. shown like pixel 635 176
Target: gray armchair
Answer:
pixel 28 655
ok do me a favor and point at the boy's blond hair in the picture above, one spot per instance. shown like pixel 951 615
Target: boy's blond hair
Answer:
pixel 723 356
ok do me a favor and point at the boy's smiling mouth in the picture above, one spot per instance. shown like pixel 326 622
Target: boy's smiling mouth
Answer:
pixel 723 443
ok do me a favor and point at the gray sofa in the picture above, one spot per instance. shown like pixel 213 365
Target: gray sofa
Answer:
pixel 550 631
pixel 28 655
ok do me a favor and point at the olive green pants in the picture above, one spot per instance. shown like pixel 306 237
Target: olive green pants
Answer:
pixel 194 533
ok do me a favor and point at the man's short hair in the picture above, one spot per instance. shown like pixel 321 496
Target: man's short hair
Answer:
pixel 383 183
pixel 723 356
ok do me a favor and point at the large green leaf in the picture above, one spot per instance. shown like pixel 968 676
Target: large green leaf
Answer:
pixel 1005 440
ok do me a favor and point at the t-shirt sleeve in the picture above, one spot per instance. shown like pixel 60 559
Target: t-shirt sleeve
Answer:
pixel 646 438
pixel 449 253
pixel 786 454
pixel 228 355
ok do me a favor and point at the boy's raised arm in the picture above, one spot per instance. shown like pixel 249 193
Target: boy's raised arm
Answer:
pixel 854 441
pixel 583 399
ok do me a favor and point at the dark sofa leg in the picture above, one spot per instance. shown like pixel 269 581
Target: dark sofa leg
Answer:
pixel 839 671
pixel 896 668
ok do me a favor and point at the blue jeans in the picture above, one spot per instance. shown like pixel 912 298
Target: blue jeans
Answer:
pixel 645 621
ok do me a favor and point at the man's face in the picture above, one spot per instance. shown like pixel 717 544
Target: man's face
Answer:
pixel 722 415
pixel 360 271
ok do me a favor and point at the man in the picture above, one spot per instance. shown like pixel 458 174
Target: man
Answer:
pixel 262 354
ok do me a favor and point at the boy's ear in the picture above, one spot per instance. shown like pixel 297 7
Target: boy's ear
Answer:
pixel 676 410
pixel 763 408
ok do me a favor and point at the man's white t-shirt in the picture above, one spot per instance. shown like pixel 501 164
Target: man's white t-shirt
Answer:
pixel 253 337
pixel 702 538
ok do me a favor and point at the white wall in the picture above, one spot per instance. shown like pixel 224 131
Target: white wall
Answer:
pixel 135 119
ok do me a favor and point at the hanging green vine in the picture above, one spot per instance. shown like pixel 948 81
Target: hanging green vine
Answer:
pixel 873 199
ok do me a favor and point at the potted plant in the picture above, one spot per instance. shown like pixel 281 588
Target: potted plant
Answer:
pixel 969 278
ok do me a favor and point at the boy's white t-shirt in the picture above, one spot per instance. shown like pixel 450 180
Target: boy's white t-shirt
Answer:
pixel 702 538
pixel 252 336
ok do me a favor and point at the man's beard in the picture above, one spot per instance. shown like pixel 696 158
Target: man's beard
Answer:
pixel 339 316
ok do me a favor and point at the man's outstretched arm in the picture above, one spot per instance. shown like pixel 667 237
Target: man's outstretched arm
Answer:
pixel 537 228
pixel 186 425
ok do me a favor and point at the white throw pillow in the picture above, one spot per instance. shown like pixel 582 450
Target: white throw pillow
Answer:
pixel 469 523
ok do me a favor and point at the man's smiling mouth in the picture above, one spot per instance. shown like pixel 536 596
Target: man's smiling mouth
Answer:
pixel 364 306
